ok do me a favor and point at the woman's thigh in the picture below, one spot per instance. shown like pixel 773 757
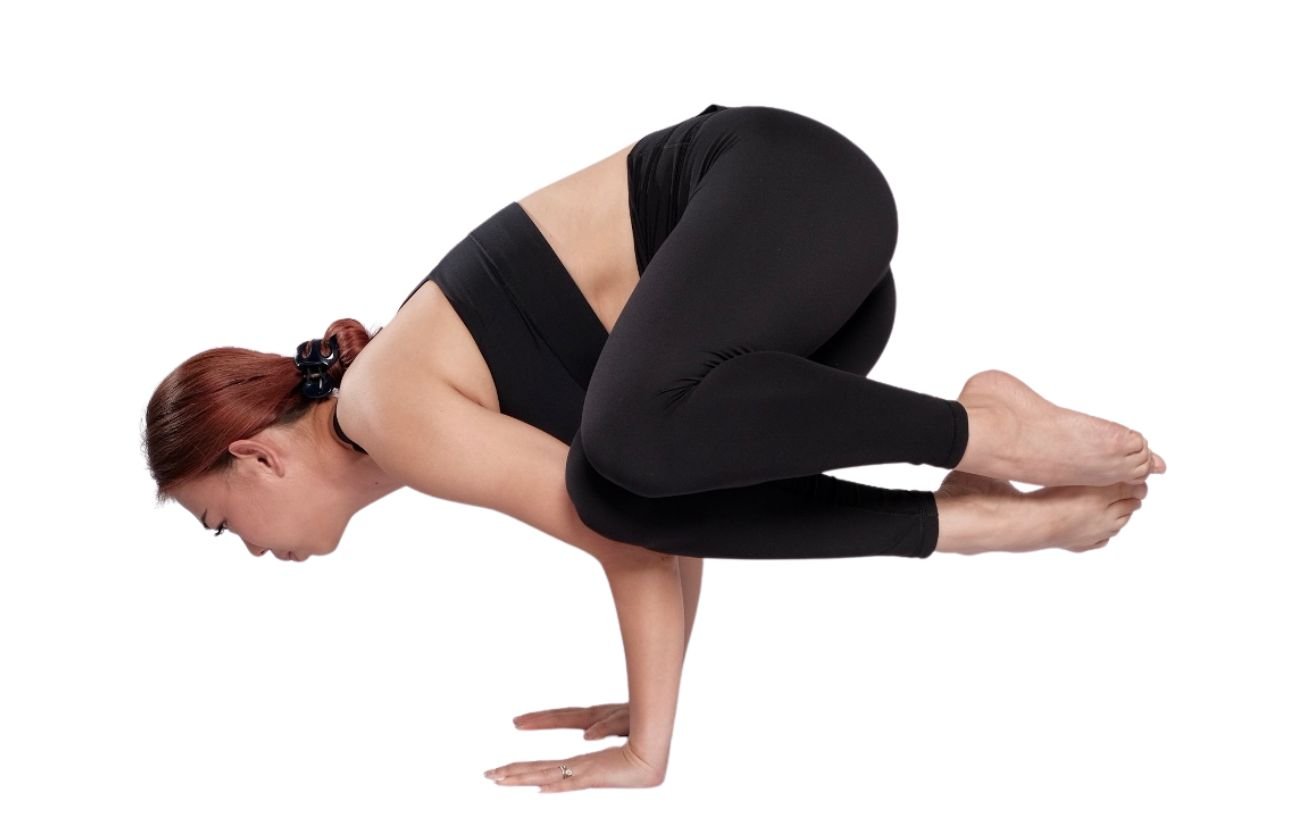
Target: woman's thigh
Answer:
pixel 786 233
pixel 860 341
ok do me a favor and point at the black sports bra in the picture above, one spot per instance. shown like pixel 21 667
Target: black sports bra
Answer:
pixel 538 334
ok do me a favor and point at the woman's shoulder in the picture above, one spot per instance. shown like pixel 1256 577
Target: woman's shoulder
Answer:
pixel 425 347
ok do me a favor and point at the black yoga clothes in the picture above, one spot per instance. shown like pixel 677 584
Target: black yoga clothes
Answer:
pixel 736 373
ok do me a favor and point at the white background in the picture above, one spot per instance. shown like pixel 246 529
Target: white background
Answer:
pixel 1099 198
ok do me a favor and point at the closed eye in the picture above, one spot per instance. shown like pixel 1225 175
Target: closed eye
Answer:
pixel 220 529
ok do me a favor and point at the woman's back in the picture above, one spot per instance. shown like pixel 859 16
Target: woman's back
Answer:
pixel 514 316
pixel 583 224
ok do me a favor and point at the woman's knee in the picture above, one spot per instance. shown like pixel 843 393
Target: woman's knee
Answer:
pixel 624 419
pixel 645 437
pixel 604 506
pixel 584 487
pixel 621 447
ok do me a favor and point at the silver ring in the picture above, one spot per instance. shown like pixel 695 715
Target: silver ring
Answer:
pixel 565 771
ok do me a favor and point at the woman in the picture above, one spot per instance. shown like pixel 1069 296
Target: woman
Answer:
pixel 653 359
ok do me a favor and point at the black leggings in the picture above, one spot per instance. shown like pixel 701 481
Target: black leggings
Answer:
pixel 736 373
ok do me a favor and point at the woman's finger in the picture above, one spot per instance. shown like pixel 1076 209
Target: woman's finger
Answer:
pixel 603 728
pixel 566 784
pixel 577 717
pixel 546 772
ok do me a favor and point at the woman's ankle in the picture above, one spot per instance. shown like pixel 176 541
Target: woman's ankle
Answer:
pixel 979 514
pixel 986 442
pixel 967 524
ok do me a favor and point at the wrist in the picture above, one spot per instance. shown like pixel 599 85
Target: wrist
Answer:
pixel 654 765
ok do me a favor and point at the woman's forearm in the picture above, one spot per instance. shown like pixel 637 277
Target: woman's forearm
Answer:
pixel 649 598
pixel 691 570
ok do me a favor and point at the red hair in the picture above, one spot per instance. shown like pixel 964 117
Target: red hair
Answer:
pixel 227 394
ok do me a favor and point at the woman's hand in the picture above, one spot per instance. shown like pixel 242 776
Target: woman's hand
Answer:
pixel 615 767
pixel 600 721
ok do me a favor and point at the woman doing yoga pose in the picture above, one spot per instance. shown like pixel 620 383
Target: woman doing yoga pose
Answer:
pixel 653 359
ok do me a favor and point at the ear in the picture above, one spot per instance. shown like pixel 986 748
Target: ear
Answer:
pixel 260 454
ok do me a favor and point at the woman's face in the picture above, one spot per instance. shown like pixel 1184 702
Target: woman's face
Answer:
pixel 270 500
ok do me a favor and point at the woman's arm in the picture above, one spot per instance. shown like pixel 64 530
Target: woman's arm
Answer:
pixel 441 443
pixel 691 570
pixel 648 594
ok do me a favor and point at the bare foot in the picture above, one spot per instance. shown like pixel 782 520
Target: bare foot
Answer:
pixel 981 515
pixel 960 483
pixel 1017 434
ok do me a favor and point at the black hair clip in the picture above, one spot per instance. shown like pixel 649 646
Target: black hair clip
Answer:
pixel 314 366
